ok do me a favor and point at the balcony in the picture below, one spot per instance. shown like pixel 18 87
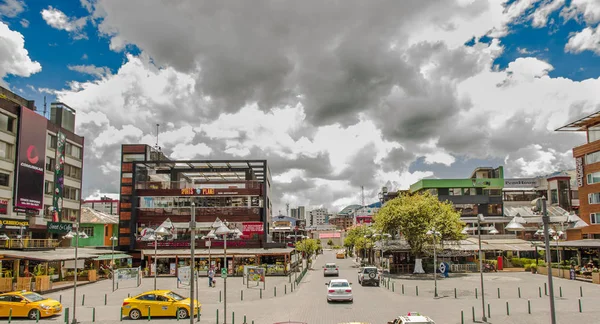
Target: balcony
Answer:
pixel 199 189
pixel 203 214
pixel 29 244
pixel 232 184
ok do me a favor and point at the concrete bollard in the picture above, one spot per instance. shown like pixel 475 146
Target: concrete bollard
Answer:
pixel 473 313
pixel 67 315
pixel 580 309
pixel 540 291
pixel 60 299
pixel 417 290
pixel 580 291
pixel 105 299
pixel 149 317
pixel 489 311
pixel 476 296
pixel 232 317
pixel 462 317
pixel 454 293
pixel 507 309
pixel 83 300
pixel 260 292
pixel 545 289
pixel 560 291
pixel 528 306
pixel 274 291
pixel 393 286
pixel 245 319
pixel 217 316
pixel 519 290
pixel 285 290
pixel 93 314
pixel 402 289
pixel 9 315
pixel 37 316
pixel 120 316
pixel 241 295
pixel 220 295
pixel 498 292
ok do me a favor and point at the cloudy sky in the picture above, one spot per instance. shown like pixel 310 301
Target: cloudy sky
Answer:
pixel 335 94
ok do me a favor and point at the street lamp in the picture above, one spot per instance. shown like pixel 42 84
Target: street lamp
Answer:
pixel 479 220
pixel 158 234
pixel 113 239
pixel 70 235
pixel 193 261
pixel 224 230
pixel 435 234
pixel 546 220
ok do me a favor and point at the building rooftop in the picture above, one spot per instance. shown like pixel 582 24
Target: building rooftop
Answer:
pixel 91 216
pixel 211 170
pixel 581 124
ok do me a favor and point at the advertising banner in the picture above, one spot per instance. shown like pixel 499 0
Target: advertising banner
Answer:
pixel 579 168
pixel 256 274
pixel 31 160
pixel 59 228
pixel 59 175
pixel 252 227
pixel 7 223
pixel 183 276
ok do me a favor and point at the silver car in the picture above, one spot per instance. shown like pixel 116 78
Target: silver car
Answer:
pixel 330 269
pixel 339 290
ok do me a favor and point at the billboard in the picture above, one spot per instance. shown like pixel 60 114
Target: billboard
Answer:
pixel 31 159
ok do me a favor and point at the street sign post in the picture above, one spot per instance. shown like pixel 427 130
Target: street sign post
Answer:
pixel 224 272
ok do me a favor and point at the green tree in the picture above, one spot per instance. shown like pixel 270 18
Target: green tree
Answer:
pixel 308 246
pixel 355 239
pixel 414 215
pixel 330 242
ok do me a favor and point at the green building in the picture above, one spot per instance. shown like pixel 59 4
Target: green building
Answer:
pixel 481 193
pixel 99 228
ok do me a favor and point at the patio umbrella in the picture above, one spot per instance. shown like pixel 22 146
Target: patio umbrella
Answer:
pixel 514 226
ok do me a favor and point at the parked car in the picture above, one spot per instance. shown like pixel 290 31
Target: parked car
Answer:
pixel 158 303
pixel 368 276
pixel 339 290
pixel 331 269
pixel 412 318
pixel 28 304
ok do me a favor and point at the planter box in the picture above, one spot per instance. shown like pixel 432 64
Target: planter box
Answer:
pixel 6 284
pixel 42 283
pixel 92 275
pixel 24 283
pixel 596 277
pixel 542 270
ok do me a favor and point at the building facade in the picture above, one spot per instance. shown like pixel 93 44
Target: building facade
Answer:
pixel 28 162
pixel 105 205
pixel 317 217
pixel 587 169
pixel 156 190
pixel 481 193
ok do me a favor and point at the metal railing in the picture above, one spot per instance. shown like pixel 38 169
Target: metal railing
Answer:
pixel 18 244
pixel 200 211
pixel 227 184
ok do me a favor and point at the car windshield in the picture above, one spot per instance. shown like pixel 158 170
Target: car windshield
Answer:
pixel 175 296
pixel 33 297
pixel 339 284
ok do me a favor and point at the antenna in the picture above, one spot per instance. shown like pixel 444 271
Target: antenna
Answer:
pixel 362 195
pixel 287 209
pixel 156 145
pixel 45 111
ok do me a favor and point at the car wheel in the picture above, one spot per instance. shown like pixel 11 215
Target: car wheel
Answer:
pixel 32 314
pixel 182 313
pixel 135 314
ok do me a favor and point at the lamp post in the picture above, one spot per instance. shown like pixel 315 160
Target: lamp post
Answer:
pixel 479 220
pixel 159 233
pixel 546 221
pixel 224 230
pixel 193 261
pixel 434 233
pixel 70 235
pixel 113 239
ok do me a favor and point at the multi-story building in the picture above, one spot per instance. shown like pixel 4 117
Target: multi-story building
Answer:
pixel 364 214
pixel 28 167
pixel 294 212
pixel 342 221
pixel 587 168
pixel 301 213
pixel 317 217
pixel 481 193
pixel 105 205
pixel 157 191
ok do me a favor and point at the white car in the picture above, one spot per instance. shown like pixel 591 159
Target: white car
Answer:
pixel 339 290
pixel 411 318
pixel 330 269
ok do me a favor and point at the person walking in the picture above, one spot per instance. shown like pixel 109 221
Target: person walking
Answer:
pixel 211 275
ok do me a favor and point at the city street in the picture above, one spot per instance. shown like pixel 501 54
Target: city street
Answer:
pixel 371 304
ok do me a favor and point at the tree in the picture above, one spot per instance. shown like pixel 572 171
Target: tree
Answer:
pixel 330 242
pixel 308 246
pixel 355 238
pixel 414 215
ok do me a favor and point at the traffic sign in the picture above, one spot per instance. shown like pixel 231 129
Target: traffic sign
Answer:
pixel 224 272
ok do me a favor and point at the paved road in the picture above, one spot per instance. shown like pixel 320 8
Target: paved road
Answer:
pixel 371 304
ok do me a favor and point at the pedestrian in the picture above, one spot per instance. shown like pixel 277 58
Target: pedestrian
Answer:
pixel 211 274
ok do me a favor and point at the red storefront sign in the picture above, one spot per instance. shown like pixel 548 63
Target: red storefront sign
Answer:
pixel 253 228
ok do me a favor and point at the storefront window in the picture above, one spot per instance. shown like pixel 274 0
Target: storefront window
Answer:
pixel 455 191
pixel 494 209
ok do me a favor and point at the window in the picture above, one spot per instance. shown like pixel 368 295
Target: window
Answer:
pixel 593 178
pixel 594 198
pixel 133 157
pixel 51 141
pixel 69 214
pixel 492 192
pixel 6 150
pixel 4 179
pixel 71 193
pixel 73 151
pixel 593 133
pixel 147 297
pixel 433 192
pixel 495 210
pixel 72 171
pixel 574 194
pixel 48 187
pixel 7 123
pixel 554 196
pixel 469 191
pixel 592 157
pixel 595 218
pixel 455 191
pixel 89 231
pixel 50 164
pixel 5 298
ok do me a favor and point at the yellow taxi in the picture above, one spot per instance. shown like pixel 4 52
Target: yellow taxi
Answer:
pixel 28 304
pixel 158 303
pixel 340 255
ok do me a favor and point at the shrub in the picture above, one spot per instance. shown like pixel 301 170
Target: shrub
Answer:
pixel 528 267
pixel 533 267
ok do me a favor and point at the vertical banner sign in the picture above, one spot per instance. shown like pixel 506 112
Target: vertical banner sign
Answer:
pixel 59 175
pixel 29 191
pixel 579 168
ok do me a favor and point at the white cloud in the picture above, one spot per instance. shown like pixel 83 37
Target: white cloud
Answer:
pixel 190 151
pixel 97 195
pixel 589 10
pixel 11 8
pixel 97 71
pixel 586 40
pixel 440 157
pixel 58 20
pixel 540 16
pixel 14 58
pixel 24 23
